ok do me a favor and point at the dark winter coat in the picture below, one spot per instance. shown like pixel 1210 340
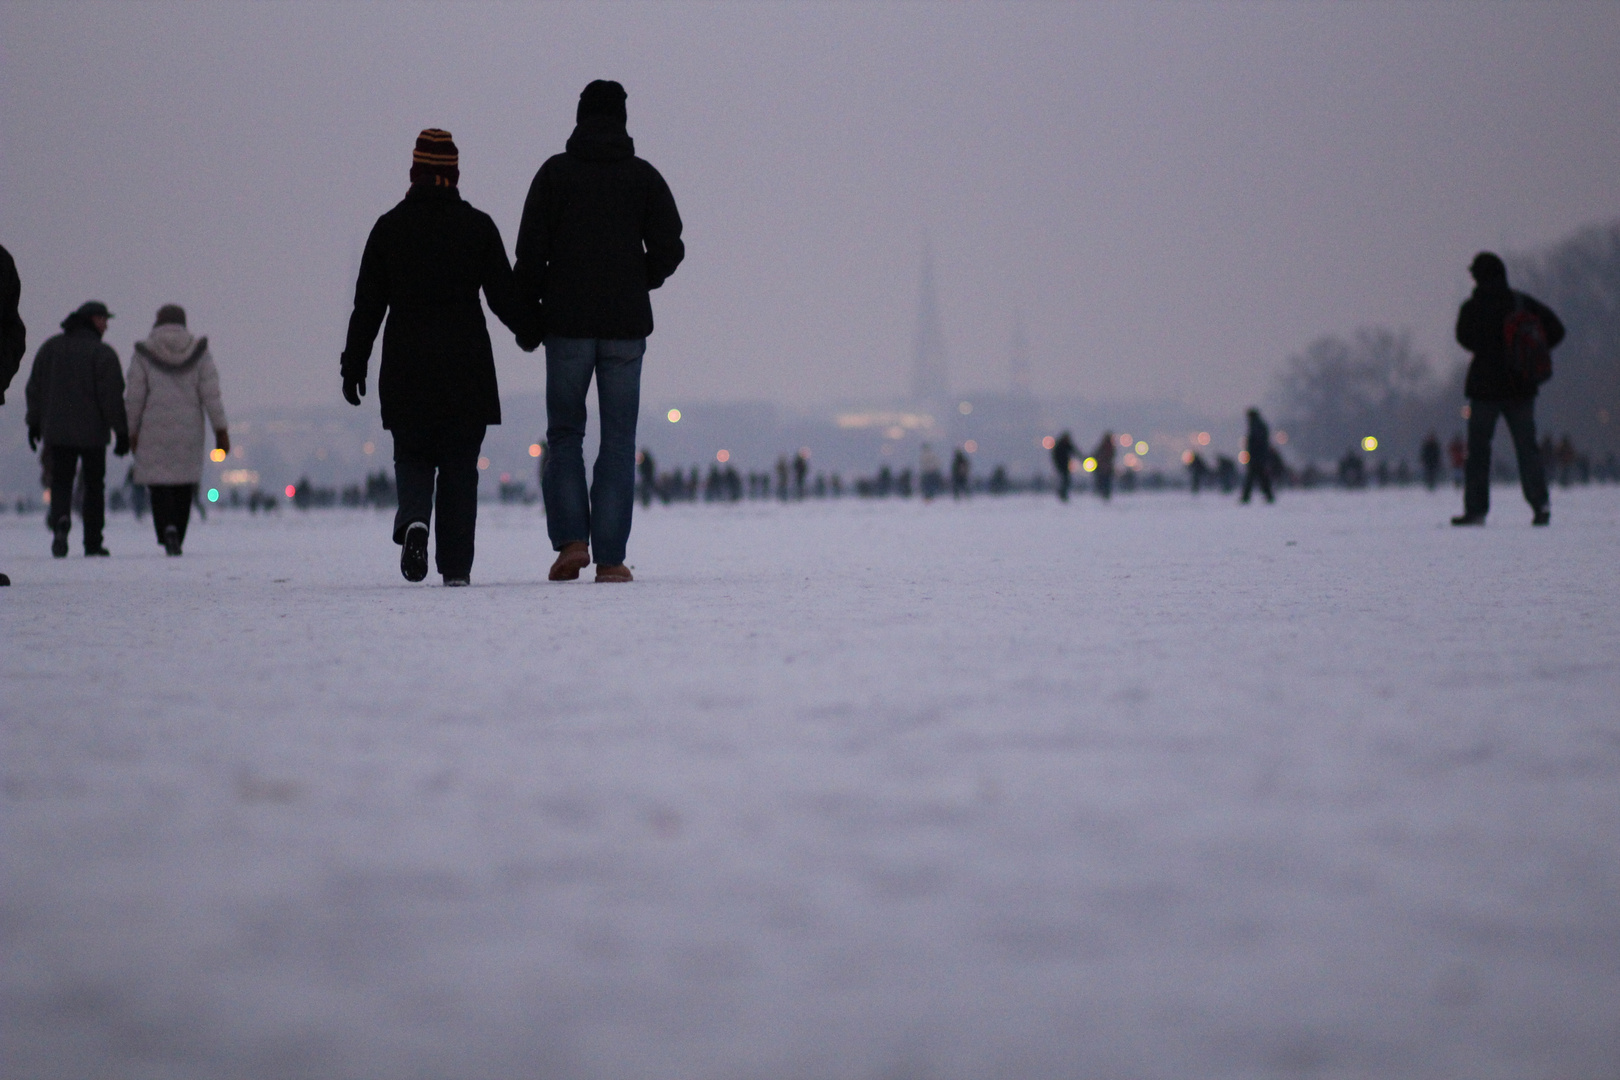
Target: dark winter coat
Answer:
pixel 76 390
pixel 1258 441
pixel 599 230
pixel 1479 330
pixel 13 335
pixel 423 267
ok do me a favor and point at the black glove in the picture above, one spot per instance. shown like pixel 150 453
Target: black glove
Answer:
pixel 353 390
pixel 120 444
pixel 33 438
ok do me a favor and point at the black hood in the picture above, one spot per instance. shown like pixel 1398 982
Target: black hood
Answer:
pixel 601 138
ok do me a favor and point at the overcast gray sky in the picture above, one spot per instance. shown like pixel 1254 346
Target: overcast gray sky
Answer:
pixel 1175 196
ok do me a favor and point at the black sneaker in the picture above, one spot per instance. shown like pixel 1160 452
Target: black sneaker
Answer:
pixel 59 537
pixel 171 539
pixel 456 582
pixel 1543 516
pixel 97 552
pixel 1468 519
pixel 413 558
pixel 4 581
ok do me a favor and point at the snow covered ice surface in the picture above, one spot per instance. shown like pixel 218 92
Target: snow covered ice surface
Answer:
pixel 879 791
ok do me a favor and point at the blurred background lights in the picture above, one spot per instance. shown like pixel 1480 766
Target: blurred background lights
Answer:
pixel 1187 457
pixel 534 449
pixel 1125 440
pixel 722 456
pixel 1203 438
pixel 1282 438
pixel 1369 444
pixel 971 446
pixel 291 491
pixel 370 447
pixel 1090 464
pixel 216 454
pixel 965 408
pixel 1141 447
pixel 674 416
pixel 213 494
pixel 1243 457
pixel 1048 442
pixel 483 463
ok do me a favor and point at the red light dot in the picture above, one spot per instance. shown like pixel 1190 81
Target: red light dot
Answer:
pixel 291 491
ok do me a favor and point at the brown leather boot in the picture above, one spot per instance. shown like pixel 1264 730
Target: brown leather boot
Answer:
pixel 620 572
pixel 573 558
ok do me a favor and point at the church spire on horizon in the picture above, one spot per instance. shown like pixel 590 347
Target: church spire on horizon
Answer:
pixel 930 381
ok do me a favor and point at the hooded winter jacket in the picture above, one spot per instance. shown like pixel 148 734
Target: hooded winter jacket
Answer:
pixel 1479 330
pixel 599 230
pixel 76 390
pixel 172 383
pixel 13 335
pixel 424 264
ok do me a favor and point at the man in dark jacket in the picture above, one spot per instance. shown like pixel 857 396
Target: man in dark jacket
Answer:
pixel 1495 391
pixel 1258 445
pixel 13 334
pixel 600 230
pixel 75 401
pixel 423 266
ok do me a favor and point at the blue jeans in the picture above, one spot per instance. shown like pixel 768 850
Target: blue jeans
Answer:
pixel 600 517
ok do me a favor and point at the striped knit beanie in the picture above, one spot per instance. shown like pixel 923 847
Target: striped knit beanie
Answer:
pixel 436 161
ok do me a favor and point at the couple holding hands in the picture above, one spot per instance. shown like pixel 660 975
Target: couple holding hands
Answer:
pixel 600 231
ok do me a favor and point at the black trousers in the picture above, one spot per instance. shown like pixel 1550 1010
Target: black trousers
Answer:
pixel 171 505
pixel 1257 474
pixel 65 462
pixel 1521 423
pixel 436 468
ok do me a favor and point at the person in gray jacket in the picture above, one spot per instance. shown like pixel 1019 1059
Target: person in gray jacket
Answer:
pixel 75 402
pixel 172 383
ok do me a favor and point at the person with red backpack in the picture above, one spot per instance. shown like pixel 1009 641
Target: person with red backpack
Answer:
pixel 1512 336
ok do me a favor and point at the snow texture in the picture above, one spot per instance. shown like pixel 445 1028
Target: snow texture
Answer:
pixel 882 791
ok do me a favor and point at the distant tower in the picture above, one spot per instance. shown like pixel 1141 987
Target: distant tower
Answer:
pixel 1018 364
pixel 929 380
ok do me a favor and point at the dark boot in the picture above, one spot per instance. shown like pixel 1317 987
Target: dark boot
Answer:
pixel 413 556
pixel 59 538
pixel 171 539
pixel 574 557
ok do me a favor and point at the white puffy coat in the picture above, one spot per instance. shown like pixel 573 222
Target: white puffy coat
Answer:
pixel 172 381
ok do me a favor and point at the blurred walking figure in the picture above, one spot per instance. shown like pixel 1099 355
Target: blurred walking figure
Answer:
pixel 600 230
pixel 75 403
pixel 1258 444
pixel 649 475
pixel 801 469
pixel 961 474
pixel 1103 478
pixel 1063 454
pixel 424 265
pixel 1511 336
pixel 13 334
pixel 930 474
pixel 172 383
pixel 1197 471
pixel 1457 456
pixel 1430 456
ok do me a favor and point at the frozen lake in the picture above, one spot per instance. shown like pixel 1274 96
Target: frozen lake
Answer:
pixel 881 791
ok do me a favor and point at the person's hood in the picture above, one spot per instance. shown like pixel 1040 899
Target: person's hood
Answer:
pixel 601 138
pixel 172 345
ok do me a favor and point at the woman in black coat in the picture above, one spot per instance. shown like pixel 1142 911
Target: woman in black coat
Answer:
pixel 425 263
